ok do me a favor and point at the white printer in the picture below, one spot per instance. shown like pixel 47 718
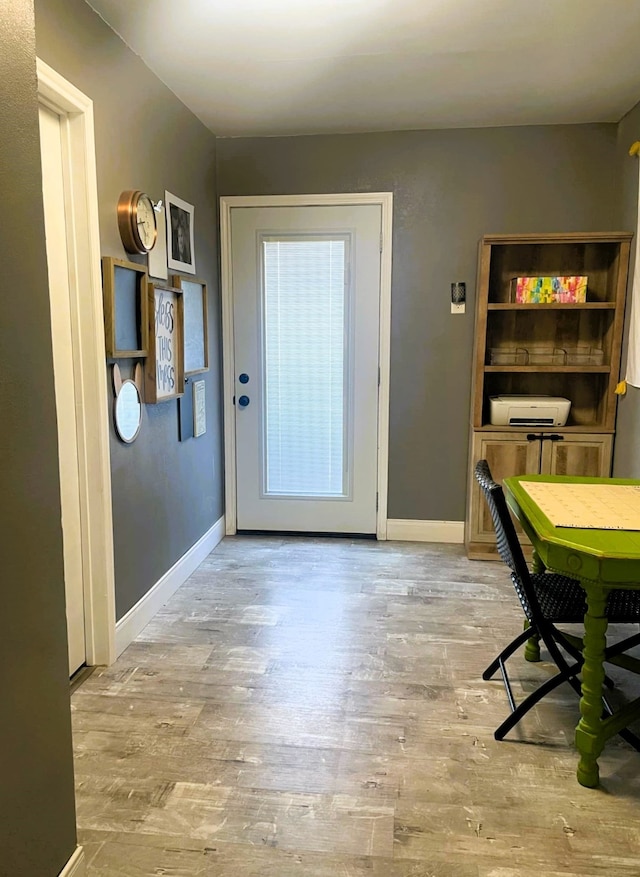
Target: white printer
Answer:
pixel 535 411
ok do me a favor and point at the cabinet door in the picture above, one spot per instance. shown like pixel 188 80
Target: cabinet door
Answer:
pixel 577 454
pixel 507 454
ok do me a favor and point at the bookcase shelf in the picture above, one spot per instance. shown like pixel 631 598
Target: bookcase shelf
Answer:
pixel 509 340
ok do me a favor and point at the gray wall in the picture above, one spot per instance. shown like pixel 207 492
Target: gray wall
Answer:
pixel 37 815
pixel 450 188
pixel 166 494
pixel 626 460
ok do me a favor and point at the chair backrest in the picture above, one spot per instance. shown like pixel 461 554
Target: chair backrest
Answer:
pixel 507 539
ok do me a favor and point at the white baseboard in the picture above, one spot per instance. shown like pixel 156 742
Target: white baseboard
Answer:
pixel 75 867
pixel 137 618
pixel 426 531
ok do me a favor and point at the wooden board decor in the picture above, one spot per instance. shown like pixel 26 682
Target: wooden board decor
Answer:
pixel 196 337
pixel 126 326
pixel 164 366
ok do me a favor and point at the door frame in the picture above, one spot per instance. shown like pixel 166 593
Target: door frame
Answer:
pixel 87 326
pixel 385 200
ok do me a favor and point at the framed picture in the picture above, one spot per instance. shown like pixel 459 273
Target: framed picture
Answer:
pixel 180 245
pixel 126 325
pixel 164 366
pixel 199 409
pixel 192 414
pixel 196 337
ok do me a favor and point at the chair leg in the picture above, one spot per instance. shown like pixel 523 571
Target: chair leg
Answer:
pixel 567 675
pixel 494 666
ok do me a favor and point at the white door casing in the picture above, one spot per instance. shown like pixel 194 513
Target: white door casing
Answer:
pixel 242 303
pixel 86 316
pixel 59 301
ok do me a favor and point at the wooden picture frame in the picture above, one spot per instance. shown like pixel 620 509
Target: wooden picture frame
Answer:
pixel 180 237
pixel 126 323
pixel 164 366
pixel 195 324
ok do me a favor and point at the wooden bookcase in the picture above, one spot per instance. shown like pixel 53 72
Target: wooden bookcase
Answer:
pixel 570 350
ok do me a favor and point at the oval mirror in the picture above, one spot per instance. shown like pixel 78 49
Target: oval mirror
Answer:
pixel 128 411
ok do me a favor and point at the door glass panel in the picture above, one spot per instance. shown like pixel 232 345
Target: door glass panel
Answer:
pixel 305 365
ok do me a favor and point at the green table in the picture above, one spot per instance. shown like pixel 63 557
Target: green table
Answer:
pixel 600 560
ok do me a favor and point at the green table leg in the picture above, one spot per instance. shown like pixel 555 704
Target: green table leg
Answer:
pixel 532 648
pixel 589 736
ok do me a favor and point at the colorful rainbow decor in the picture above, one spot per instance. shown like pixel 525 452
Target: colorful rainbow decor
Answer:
pixel 549 290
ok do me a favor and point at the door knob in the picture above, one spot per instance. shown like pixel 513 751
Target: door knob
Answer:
pixel 243 401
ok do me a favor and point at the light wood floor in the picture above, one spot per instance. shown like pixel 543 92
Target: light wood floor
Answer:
pixel 315 707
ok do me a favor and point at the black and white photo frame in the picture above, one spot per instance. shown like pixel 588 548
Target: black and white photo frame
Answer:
pixel 180 237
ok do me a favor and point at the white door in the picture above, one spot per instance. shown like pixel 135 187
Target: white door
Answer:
pixel 56 233
pixel 306 315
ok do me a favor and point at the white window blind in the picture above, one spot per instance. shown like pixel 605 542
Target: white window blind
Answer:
pixel 305 374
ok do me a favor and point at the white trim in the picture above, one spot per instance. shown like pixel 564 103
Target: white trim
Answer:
pixel 76 866
pixel 384 362
pixel 137 618
pixel 228 367
pixel 385 200
pixel 85 284
pixel 426 531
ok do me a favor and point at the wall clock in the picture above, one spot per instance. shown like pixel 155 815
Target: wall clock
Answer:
pixel 137 221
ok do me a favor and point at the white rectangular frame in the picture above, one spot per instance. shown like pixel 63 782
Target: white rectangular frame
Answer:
pixel 385 200
pixel 176 264
pixel 199 408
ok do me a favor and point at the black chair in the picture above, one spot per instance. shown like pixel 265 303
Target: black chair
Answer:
pixel 549 599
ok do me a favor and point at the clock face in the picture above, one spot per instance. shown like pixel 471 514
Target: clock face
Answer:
pixel 146 222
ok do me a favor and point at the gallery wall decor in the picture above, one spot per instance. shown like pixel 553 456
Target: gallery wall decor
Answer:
pixel 180 237
pixel 192 413
pixel 137 221
pixel 126 325
pixel 199 409
pixel 196 338
pixel 164 366
pixel 127 405
pixel 185 412
pixel 158 255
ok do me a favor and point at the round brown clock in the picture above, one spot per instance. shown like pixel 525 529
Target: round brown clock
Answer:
pixel 137 221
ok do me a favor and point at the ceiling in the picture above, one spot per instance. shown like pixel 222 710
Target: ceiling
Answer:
pixel 267 67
